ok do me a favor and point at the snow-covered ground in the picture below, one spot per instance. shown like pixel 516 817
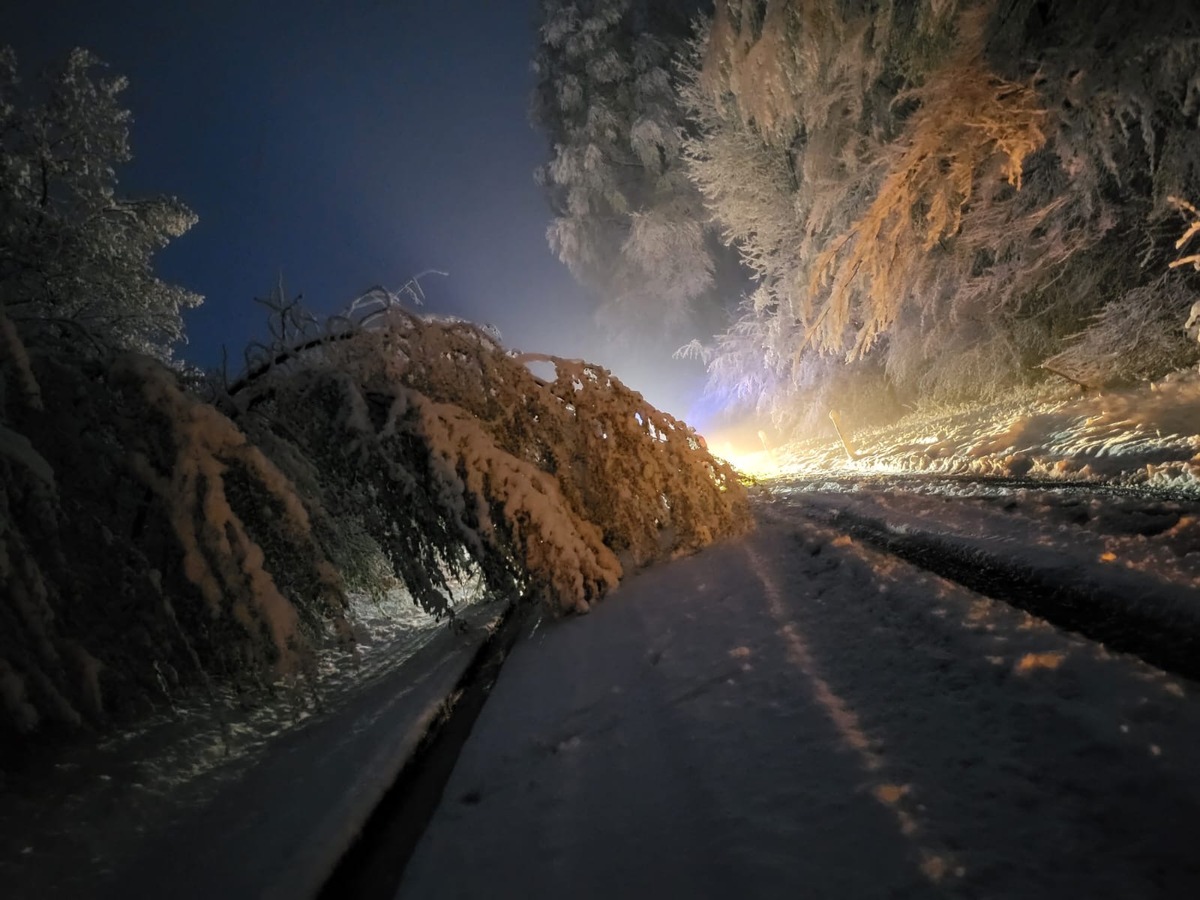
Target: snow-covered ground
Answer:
pixel 794 714
pixel 1097 494
pixel 1148 435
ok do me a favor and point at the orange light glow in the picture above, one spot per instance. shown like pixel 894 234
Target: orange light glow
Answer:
pixel 747 450
pixel 1049 660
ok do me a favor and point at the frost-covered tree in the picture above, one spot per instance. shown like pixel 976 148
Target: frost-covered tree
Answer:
pixel 454 456
pixel 948 190
pixel 156 535
pixel 628 221
pixel 75 257
pixel 158 532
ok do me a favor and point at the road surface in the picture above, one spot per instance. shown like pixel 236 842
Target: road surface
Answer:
pixel 800 714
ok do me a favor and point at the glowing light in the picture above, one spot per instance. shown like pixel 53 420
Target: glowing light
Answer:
pixel 756 464
pixel 1051 659
pixel 747 451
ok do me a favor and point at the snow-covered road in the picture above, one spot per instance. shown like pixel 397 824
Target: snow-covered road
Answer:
pixel 797 715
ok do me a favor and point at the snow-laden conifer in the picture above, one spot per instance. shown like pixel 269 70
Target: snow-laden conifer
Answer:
pixel 76 256
pixel 947 193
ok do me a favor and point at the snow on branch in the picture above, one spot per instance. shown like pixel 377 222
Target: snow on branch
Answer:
pixel 152 540
pixel 75 256
pixel 541 484
pixel 17 358
pixel 933 197
pixel 155 538
pixel 968 121
pixel 220 555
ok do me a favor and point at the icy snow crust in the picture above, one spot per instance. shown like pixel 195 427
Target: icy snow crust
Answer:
pixel 792 714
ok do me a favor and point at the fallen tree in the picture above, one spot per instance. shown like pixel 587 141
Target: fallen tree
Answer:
pixel 157 531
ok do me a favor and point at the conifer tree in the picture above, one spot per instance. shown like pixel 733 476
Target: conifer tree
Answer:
pixel 74 255
pixel 952 193
pixel 628 222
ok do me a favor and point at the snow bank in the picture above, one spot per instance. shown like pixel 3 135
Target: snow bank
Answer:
pixel 1149 434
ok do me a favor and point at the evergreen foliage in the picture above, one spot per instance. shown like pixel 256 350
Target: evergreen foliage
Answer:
pixel 958 183
pixel 75 256
pixel 146 529
pixel 628 221
pixel 938 198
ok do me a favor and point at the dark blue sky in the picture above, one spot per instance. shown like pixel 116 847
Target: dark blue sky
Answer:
pixel 346 144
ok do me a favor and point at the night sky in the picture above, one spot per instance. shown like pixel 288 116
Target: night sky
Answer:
pixel 346 144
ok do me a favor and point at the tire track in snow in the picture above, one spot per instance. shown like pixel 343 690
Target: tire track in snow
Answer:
pixel 938 867
pixel 1123 611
